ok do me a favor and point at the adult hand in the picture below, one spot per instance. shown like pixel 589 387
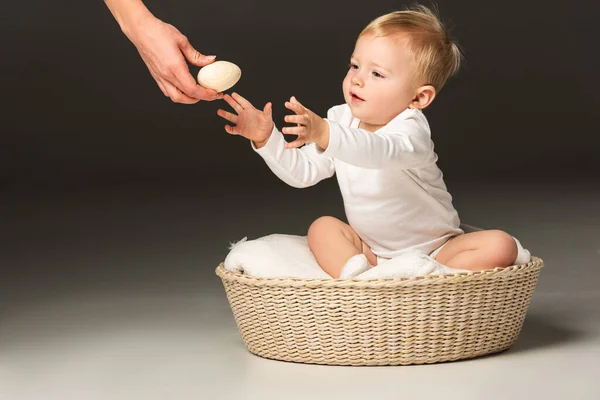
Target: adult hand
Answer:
pixel 164 50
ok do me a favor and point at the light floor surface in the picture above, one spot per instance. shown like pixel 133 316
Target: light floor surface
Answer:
pixel 111 294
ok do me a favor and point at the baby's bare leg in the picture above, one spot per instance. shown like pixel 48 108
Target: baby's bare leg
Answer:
pixel 333 242
pixel 480 250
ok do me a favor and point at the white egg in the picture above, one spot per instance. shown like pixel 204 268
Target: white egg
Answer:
pixel 220 75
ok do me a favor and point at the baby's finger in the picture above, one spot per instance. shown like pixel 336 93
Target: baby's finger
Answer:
pixel 268 110
pixel 294 107
pixel 294 144
pixel 294 100
pixel 296 119
pixel 305 110
pixel 228 116
pixel 294 130
pixel 231 130
pixel 234 104
pixel 244 103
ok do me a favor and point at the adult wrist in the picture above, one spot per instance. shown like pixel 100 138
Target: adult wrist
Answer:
pixel 129 14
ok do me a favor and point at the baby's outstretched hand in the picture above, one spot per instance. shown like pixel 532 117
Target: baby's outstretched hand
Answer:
pixel 249 122
pixel 310 127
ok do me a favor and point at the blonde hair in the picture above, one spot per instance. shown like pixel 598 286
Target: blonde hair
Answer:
pixel 436 53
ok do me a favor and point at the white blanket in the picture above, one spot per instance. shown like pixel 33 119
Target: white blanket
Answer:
pixel 282 256
pixel 274 256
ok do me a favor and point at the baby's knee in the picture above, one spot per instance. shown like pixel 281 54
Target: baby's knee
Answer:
pixel 321 227
pixel 503 247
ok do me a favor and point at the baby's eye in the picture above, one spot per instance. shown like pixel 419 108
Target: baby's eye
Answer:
pixel 377 74
pixel 353 66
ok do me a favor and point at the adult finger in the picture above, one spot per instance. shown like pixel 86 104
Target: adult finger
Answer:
pixel 193 55
pixel 162 88
pixel 177 96
pixel 159 83
pixel 187 84
pixel 207 94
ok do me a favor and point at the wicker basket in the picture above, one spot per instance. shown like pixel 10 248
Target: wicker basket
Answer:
pixel 382 322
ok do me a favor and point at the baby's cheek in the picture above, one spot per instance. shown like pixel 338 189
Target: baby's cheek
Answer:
pixel 345 88
pixel 388 101
pixel 346 83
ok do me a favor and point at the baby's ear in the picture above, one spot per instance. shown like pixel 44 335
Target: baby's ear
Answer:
pixel 424 97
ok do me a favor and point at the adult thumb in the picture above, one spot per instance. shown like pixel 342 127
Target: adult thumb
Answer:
pixel 194 56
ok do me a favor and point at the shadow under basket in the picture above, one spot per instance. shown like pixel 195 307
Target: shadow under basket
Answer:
pixel 398 321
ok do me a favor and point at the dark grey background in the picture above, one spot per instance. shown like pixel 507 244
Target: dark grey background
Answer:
pixel 116 204
pixel 81 110
pixel 102 177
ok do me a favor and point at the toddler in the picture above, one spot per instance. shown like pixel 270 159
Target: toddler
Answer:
pixel 378 144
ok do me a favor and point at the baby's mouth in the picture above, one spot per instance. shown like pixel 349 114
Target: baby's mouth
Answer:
pixel 355 97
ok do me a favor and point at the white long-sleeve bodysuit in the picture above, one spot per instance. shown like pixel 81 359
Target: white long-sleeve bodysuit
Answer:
pixel 394 195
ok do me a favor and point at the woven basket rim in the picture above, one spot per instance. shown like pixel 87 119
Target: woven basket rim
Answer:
pixel 536 263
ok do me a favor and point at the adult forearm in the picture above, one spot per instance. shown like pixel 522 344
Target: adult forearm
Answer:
pixel 128 13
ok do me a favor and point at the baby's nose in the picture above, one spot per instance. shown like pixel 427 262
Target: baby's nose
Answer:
pixel 356 80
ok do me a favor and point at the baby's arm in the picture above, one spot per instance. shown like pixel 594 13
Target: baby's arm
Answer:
pixel 405 144
pixel 297 167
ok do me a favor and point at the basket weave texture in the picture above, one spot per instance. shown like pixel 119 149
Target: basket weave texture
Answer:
pixel 398 321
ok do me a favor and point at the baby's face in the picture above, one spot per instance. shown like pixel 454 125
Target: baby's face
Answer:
pixel 380 83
